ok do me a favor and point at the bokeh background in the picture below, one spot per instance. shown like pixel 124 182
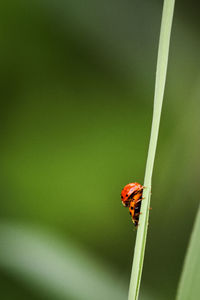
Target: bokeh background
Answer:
pixel 77 84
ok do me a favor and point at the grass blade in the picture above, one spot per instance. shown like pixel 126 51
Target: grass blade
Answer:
pixel 189 287
pixel 57 269
pixel 161 71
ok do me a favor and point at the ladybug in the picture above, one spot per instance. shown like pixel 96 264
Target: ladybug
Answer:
pixel 131 191
pixel 134 210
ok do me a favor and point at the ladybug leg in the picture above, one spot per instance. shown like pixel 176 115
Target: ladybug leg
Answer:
pixel 139 200
pixel 137 214
pixel 136 226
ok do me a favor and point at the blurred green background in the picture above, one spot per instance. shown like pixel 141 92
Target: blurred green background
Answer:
pixel 77 83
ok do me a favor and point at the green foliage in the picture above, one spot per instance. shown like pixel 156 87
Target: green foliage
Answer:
pixel 189 287
pixel 161 71
pixel 76 79
pixel 60 270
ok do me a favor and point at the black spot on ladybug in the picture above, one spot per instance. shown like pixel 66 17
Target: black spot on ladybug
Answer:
pixel 126 195
pixel 122 197
pixel 131 207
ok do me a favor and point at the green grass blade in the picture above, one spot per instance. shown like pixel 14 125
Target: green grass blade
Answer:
pixel 58 269
pixel 189 285
pixel 161 71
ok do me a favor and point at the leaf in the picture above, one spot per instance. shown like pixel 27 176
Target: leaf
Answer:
pixel 62 271
pixel 189 285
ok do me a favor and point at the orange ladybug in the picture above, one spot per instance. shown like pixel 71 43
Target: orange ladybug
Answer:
pixel 131 191
pixel 131 196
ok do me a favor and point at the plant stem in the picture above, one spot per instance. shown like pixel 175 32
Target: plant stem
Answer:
pixel 161 70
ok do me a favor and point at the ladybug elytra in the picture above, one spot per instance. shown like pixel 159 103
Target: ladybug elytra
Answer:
pixel 130 191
